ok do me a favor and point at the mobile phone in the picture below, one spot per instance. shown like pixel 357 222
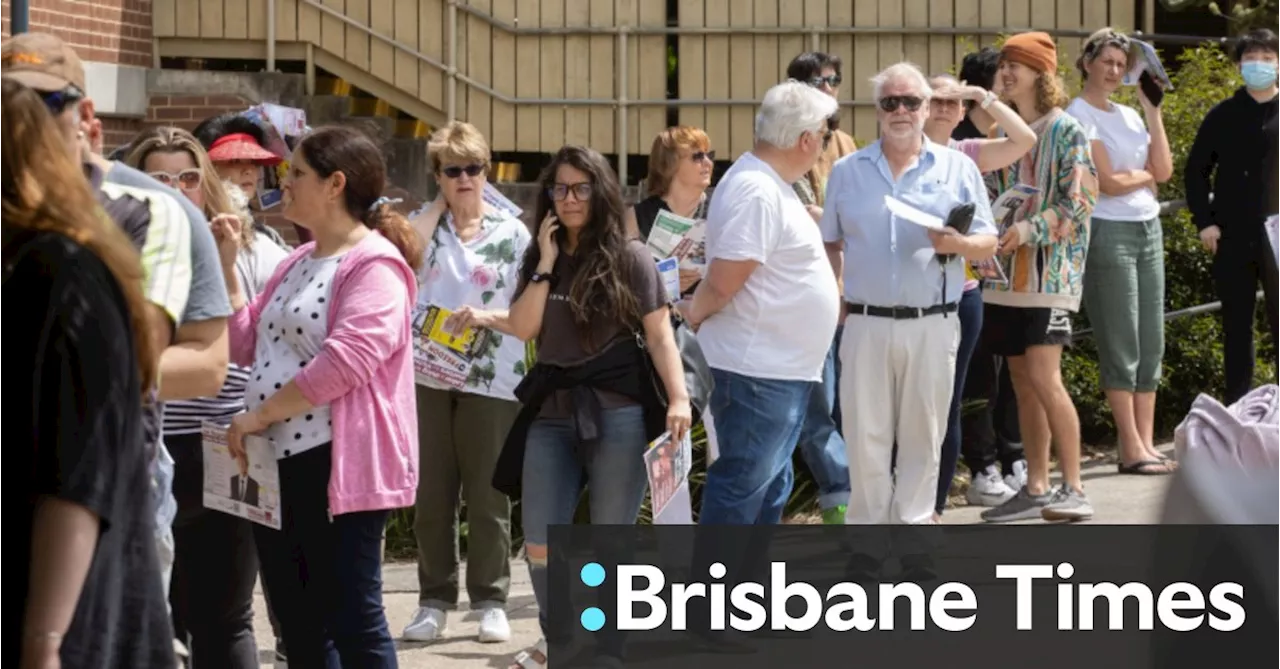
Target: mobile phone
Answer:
pixel 1150 88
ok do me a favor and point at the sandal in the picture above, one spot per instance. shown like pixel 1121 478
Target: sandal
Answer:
pixel 532 658
pixel 1143 468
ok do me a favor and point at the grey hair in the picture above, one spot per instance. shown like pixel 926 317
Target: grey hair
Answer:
pixel 904 70
pixel 791 109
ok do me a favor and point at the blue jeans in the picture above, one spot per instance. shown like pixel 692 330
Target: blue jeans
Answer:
pixel 553 480
pixel 821 445
pixel 325 576
pixel 757 425
pixel 970 314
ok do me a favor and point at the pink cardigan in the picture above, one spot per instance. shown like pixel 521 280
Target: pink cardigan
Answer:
pixel 364 372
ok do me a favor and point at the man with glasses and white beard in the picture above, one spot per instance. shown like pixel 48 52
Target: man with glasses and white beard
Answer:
pixel 901 331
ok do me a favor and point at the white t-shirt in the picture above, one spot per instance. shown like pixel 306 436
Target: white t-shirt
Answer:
pixel 781 323
pixel 291 331
pixel 1125 136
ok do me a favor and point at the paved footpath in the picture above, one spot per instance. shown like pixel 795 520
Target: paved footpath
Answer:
pixel 1117 499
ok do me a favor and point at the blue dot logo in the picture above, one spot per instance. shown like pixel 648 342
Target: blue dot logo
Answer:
pixel 592 575
pixel 592 619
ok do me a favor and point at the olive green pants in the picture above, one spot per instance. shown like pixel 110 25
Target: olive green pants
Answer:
pixel 460 436
pixel 1124 299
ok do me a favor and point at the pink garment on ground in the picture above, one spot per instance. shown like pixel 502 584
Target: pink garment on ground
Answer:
pixel 1244 436
pixel 364 372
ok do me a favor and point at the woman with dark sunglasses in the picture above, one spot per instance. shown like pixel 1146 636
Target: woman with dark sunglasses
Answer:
pixel 680 165
pixel 473 253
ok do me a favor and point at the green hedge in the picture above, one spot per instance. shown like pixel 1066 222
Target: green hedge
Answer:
pixel 1193 345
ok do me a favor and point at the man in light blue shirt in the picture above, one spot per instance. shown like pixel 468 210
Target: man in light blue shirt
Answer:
pixel 901 331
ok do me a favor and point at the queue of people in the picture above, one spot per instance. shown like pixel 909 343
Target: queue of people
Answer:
pixel 829 320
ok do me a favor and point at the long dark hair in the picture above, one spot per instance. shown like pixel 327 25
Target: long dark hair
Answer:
pixel 338 148
pixel 600 287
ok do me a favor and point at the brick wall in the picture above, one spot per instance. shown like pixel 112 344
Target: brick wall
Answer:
pixel 106 31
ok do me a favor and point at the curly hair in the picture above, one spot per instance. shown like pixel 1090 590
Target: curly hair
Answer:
pixel 45 190
pixel 1051 92
pixel 599 289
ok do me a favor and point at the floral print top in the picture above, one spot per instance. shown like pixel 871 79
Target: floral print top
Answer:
pixel 481 273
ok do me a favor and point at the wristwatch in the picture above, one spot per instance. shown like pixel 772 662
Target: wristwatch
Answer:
pixel 539 277
pixel 987 100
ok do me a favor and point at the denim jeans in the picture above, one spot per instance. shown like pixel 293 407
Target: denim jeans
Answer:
pixel 757 425
pixel 552 483
pixel 970 314
pixel 821 445
pixel 325 576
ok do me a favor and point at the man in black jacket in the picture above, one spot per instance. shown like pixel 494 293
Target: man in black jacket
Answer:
pixel 1233 140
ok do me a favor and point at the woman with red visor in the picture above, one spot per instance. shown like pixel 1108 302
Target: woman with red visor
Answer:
pixel 236 145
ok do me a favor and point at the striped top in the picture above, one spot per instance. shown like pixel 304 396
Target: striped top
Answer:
pixel 253 267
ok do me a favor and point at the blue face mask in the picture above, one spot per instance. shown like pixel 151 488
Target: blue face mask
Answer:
pixel 1258 75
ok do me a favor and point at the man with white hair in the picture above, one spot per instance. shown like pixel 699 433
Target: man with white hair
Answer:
pixel 766 311
pixel 901 331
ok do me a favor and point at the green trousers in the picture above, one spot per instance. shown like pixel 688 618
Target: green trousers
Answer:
pixel 460 436
pixel 1124 299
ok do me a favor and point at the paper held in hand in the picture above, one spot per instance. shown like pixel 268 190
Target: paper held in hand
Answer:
pixel 681 238
pixel 249 489
pixel 907 212
pixel 1145 59
pixel 668 463
pixel 497 200
pixel 440 351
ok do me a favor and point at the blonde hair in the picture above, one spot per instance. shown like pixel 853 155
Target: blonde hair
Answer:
pixel 172 140
pixel 1051 92
pixel 664 155
pixel 45 190
pixel 1093 47
pixel 457 142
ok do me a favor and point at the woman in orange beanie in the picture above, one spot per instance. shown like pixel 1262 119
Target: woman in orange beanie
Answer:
pixel 1028 319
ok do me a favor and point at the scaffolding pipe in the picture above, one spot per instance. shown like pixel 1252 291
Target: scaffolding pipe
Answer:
pixel 271 35
pixel 19 17
pixel 451 94
pixel 622 100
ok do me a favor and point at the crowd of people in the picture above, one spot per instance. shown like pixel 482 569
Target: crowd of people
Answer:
pixel 833 317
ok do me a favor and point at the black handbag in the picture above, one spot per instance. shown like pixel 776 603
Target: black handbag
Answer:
pixel 697 373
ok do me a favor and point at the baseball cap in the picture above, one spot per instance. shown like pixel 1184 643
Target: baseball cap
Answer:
pixel 41 61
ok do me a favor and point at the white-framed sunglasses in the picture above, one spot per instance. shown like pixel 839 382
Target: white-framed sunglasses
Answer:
pixel 188 179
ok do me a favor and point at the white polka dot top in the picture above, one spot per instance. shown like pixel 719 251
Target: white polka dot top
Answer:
pixel 291 331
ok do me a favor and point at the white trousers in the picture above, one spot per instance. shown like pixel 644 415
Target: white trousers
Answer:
pixel 896 382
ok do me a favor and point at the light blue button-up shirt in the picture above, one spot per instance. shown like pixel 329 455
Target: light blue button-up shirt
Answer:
pixel 889 261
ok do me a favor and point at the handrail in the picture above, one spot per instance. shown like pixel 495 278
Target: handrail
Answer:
pixel 515 29
pixel 1206 308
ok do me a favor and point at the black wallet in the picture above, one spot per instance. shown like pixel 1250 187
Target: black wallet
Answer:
pixel 960 218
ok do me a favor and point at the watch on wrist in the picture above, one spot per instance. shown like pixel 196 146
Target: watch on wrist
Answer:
pixel 987 100
pixel 539 277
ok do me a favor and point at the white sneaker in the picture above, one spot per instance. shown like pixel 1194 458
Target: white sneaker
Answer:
pixel 428 624
pixel 988 489
pixel 494 627
pixel 1018 478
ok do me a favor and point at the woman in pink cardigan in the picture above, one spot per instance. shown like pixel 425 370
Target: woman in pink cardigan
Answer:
pixel 329 342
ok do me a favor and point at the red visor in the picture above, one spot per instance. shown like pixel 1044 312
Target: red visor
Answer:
pixel 241 146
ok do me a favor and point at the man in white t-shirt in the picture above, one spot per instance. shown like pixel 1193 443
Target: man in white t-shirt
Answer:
pixel 767 309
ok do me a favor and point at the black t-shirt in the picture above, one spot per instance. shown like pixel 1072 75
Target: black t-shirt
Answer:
pixel 967 130
pixel 75 432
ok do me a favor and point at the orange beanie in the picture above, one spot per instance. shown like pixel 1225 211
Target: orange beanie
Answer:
pixel 1035 50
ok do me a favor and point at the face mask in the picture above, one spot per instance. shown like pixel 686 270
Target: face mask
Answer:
pixel 1258 75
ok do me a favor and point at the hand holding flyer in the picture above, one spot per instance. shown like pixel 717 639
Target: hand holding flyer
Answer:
pixel 248 488
pixel 681 238
pixel 441 350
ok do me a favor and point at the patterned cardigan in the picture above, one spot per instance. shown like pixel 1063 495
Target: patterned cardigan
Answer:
pixel 1047 269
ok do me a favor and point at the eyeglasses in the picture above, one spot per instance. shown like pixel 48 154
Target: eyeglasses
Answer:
pixel 188 179
pixel 57 101
pixel 699 156
pixel 832 80
pixel 892 102
pixel 560 192
pixel 455 171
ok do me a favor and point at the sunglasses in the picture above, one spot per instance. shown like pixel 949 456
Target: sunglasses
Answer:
pixel 57 101
pixel 188 179
pixel 699 156
pixel 560 192
pixel 455 171
pixel 832 80
pixel 892 102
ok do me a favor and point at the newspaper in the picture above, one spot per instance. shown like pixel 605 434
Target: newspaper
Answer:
pixel 669 268
pixel 668 463
pixel 1005 212
pixel 248 489
pixel 440 352
pixel 678 237
pixel 1145 59
pixel 497 200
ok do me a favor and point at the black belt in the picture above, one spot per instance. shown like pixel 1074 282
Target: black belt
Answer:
pixel 901 313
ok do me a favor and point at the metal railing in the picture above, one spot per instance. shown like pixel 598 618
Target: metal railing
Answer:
pixel 622 32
